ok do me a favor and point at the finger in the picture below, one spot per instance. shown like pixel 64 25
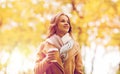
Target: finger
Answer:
pixel 51 54
pixel 50 59
pixel 52 51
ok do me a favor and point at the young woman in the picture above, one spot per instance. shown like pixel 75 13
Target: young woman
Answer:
pixel 59 53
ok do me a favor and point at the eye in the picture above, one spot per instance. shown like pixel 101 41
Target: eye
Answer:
pixel 62 21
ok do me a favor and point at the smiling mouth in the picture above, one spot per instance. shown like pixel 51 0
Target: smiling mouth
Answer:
pixel 66 27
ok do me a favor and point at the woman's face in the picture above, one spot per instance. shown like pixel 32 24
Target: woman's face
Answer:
pixel 63 25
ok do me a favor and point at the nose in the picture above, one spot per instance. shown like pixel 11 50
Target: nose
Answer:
pixel 66 23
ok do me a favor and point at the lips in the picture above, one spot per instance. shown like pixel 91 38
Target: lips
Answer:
pixel 66 27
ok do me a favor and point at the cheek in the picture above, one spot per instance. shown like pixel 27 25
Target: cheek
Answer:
pixel 60 26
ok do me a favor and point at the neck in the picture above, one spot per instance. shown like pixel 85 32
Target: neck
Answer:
pixel 61 34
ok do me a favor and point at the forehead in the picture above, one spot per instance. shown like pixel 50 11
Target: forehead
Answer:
pixel 63 17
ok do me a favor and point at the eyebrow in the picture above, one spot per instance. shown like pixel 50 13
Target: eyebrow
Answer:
pixel 64 19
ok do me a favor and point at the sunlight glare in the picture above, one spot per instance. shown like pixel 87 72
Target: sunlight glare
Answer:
pixel 4 58
pixel 15 63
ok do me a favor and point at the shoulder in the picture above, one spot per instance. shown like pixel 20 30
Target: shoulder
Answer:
pixel 77 44
pixel 41 46
pixel 45 45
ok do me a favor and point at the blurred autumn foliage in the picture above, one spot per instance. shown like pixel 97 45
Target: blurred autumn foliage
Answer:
pixel 24 24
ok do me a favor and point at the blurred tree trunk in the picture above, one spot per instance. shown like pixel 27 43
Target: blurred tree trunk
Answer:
pixel 73 3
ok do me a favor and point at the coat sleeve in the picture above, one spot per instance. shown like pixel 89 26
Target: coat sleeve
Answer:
pixel 40 63
pixel 78 62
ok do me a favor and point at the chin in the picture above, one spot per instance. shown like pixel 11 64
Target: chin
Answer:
pixel 65 32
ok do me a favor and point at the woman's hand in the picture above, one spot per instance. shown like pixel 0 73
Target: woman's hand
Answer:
pixel 52 55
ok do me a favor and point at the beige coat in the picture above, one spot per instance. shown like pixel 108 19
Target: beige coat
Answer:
pixel 73 65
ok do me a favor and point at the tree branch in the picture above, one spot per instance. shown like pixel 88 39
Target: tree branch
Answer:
pixel 75 9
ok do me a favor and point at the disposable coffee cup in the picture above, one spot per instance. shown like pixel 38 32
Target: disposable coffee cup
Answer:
pixel 55 51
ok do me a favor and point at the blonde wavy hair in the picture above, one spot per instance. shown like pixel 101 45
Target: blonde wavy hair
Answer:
pixel 53 24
